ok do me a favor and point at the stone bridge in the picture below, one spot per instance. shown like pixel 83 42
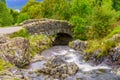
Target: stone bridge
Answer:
pixel 61 28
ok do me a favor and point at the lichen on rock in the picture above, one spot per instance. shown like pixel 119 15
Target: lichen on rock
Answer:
pixel 58 68
pixel 78 45
pixel 16 51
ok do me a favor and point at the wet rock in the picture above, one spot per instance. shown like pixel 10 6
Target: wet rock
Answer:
pixel 16 51
pixel 7 75
pixel 58 68
pixel 113 59
pixel 78 45
pixel 37 58
pixel 118 72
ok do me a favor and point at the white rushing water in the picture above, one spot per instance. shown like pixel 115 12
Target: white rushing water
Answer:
pixel 70 55
pixel 87 71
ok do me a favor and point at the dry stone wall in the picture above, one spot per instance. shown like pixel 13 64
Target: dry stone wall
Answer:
pixel 48 26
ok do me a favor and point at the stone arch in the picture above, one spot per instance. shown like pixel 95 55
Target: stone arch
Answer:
pixel 49 27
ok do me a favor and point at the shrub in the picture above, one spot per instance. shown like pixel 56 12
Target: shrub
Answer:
pixel 4 65
pixel 115 31
pixel 103 18
pixel 5 16
pixel 22 17
pixel 80 27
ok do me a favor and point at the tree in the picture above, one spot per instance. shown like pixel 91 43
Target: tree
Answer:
pixel 33 9
pixel 14 14
pixel 102 19
pixel 5 17
pixel 57 9
pixel 80 12
pixel 3 1
pixel 22 17
pixel 116 4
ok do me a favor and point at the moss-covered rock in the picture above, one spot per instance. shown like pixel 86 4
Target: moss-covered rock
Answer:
pixel 38 43
pixel 16 51
pixel 78 45
pixel 104 51
pixel 58 68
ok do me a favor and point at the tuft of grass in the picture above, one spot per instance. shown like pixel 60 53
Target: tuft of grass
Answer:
pixel 21 33
pixel 104 47
pixel 39 43
pixel 4 65
pixel 115 31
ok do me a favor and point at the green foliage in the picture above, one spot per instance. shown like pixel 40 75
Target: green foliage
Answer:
pixel 4 65
pixel 80 28
pixel 22 33
pixel 33 9
pixel 116 4
pixel 58 9
pixel 80 10
pixel 14 14
pixel 92 18
pixel 39 43
pixel 3 1
pixel 115 31
pixel 5 17
pixel 103 18
pixel 104 46
pixel 22 17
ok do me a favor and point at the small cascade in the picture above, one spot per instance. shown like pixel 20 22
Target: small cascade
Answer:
pixel 64 63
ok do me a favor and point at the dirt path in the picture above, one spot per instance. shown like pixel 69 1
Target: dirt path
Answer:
pixel 9 30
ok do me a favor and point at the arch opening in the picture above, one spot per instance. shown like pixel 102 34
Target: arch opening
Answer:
pixel 62 39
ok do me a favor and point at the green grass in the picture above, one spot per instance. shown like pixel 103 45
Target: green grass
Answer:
pixel 4 65
pixel 21 33
pixel 104 45
pixel 39 43
pixel 115 31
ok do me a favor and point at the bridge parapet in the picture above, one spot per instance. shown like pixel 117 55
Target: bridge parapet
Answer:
pixel 48 26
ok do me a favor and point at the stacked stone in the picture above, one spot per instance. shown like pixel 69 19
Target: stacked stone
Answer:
pixel 48 27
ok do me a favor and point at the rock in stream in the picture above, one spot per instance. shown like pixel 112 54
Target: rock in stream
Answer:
pixel 64 63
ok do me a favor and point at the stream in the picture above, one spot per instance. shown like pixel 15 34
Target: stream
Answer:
pixel 64 55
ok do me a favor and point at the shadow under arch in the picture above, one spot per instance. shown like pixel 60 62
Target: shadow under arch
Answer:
pixel 62 39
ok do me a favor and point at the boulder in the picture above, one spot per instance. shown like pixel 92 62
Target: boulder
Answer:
pixel 58 68
pixel 78 45
pixel 16 51
pixel 113 59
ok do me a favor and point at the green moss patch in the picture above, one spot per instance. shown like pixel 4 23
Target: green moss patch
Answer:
pixel 115 31
pixel 4 65
pixel 39 42
pixel 103 46
pixel 21 33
